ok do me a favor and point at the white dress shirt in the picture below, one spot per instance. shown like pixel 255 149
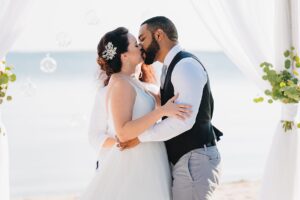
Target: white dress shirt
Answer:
pixel 188 79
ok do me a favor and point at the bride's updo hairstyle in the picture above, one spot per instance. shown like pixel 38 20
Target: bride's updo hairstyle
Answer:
pixel 110 48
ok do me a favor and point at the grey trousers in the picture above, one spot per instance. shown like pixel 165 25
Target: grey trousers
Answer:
pixel 196 174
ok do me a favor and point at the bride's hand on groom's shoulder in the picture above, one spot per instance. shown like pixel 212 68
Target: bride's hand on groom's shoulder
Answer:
pixel 177 110
pixel 128 144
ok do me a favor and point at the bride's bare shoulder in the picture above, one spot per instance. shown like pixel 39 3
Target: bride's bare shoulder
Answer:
pixel 118 82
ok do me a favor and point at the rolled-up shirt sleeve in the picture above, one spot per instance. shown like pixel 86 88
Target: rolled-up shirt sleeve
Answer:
pixel 188 79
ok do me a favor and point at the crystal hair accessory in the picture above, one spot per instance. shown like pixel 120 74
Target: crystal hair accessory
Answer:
pixel 109 52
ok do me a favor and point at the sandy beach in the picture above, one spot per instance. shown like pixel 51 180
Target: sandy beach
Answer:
pixel 240 190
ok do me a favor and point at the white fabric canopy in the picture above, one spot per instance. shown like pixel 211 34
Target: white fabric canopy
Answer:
pixel 251 32
pixel 12 16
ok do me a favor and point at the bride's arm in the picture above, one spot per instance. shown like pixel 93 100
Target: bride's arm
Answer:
pixel 122 97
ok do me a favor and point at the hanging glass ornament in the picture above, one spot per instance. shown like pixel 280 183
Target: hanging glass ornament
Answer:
pixel 28 88
pixel 92 18
pixel 63 39
pixel 48 64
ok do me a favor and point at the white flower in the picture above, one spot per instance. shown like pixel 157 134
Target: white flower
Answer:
pixel 109 52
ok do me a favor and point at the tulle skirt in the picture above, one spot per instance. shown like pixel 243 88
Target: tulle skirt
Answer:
pixel 140 173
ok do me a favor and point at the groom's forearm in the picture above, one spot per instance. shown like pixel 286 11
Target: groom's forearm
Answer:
pixel 167 129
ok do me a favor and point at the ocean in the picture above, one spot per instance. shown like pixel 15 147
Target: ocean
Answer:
pixel 47 122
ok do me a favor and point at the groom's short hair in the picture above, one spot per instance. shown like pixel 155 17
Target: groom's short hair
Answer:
pixel 161 22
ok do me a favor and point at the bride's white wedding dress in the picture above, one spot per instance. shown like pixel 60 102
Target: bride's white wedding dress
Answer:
pixel 139 173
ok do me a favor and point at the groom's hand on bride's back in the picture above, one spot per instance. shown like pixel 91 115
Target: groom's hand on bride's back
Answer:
pixel 128 144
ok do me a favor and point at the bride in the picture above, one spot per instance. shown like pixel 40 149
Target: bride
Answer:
pixel 140 173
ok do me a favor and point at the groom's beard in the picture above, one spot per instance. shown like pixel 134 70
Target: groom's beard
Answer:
pixel 150 53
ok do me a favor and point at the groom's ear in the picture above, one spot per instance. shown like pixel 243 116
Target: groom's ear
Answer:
pixel 159 35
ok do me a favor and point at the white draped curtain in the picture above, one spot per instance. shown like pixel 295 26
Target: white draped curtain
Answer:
pixel 251 32
pixel 12 17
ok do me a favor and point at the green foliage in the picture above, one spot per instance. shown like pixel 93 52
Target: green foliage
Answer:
pixel 270 101
pixel 258 100
pixel 287 64
pixel 13 78
pixel 284 84
pixel 6 76
pixel 287 125
pixel 9 98
pixel 286 53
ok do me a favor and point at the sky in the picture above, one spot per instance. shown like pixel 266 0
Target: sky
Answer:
pixel 77 25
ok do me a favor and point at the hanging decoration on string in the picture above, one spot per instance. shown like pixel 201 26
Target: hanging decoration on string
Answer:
pixel 48 64
pixel 91 18
pixel 63 39
pixel 28 88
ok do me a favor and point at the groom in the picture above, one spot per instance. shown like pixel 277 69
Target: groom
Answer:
pixel 190 143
